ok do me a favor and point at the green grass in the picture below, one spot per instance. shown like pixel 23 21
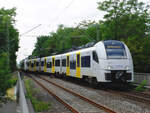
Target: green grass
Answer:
pixel 38 105
pixel 141 87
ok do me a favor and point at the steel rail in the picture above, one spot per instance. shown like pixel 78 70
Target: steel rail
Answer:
pixel 144 94
pixel 106 109
pixel 55 96
pixel 138 98
pixel 132 96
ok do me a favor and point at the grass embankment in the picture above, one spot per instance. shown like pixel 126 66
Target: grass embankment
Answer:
pixel 38 105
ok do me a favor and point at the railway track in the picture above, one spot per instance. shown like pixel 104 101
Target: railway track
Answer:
pixel 55 96
pixel 74 110
pixel 143 94
pixel 107 98
pixel 136 96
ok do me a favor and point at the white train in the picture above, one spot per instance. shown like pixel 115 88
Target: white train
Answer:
pixel 106 61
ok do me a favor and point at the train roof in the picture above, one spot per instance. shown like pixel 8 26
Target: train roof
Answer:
pixel 81 50
pixel 88 47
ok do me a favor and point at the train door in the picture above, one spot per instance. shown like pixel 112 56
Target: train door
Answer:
pixel 68 65
pixel 78 65
pixel 95 64
pixel 53 64
pixel 45 65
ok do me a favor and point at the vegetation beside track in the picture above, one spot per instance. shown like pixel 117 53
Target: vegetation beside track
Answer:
pixel 8 47
pixel 141 86
pixel 32 93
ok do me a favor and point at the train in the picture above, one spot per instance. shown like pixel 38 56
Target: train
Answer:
pixel 107 61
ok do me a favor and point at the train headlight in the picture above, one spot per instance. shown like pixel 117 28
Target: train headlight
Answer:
pixel 127 67
pixel 109 67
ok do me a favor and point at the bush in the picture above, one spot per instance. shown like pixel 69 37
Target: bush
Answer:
pixel 5 77
pixel 141 87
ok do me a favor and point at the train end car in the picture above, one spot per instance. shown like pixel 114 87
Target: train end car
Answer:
pixel 114 62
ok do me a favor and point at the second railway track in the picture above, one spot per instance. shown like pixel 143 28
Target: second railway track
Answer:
pixel 140 97
pixel 83 104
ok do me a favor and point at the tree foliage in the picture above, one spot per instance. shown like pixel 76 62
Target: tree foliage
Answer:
pixel 4 74
pixel 125 20
pixel 64 39
pixel 129 21
pixel 8 47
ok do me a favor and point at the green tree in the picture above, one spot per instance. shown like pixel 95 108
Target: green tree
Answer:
pixel 8 35
pixel 125 18
pixel 8 47
pixel 4 76
pixel 129 21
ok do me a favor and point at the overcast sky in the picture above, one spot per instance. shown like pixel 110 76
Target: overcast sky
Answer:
pixel 48 14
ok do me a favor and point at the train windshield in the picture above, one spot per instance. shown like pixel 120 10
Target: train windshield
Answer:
pixel 115 49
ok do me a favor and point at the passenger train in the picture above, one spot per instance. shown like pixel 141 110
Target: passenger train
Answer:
pixel 107 61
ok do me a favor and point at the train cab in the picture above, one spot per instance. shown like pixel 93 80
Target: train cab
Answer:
pixel 114 62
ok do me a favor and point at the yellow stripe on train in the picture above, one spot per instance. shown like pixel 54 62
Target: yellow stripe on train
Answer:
pixel 45 64
pixel 53 64
pixel 78 65
pixel 68 65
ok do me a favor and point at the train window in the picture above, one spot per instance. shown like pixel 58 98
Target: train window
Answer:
pixel 37 63
pixel 49 64
pixel 95 57
pixel 64 62
pixel 57 62
pixel 78 60
pixel 73 64
pixel 32 64
pixel 67 61
pixel 28 64
pixel 42 63
pixel 116 53
pixel 85 61
pixel 115 50
pixel 53 61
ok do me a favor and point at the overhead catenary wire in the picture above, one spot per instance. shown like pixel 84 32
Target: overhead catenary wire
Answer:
pixel 57 17
pixel 23 34
pixel 63 10
pixel 31 30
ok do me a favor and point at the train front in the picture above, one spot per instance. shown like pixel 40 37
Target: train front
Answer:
pixel 115 61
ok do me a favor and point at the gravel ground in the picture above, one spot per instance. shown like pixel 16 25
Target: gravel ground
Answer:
pixel 56 107
pixel 75 102
pixel 117 103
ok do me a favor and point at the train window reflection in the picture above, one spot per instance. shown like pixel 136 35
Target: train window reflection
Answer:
pixel 116 53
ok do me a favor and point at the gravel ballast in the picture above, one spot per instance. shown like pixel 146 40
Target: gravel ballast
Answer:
pixel 115 102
